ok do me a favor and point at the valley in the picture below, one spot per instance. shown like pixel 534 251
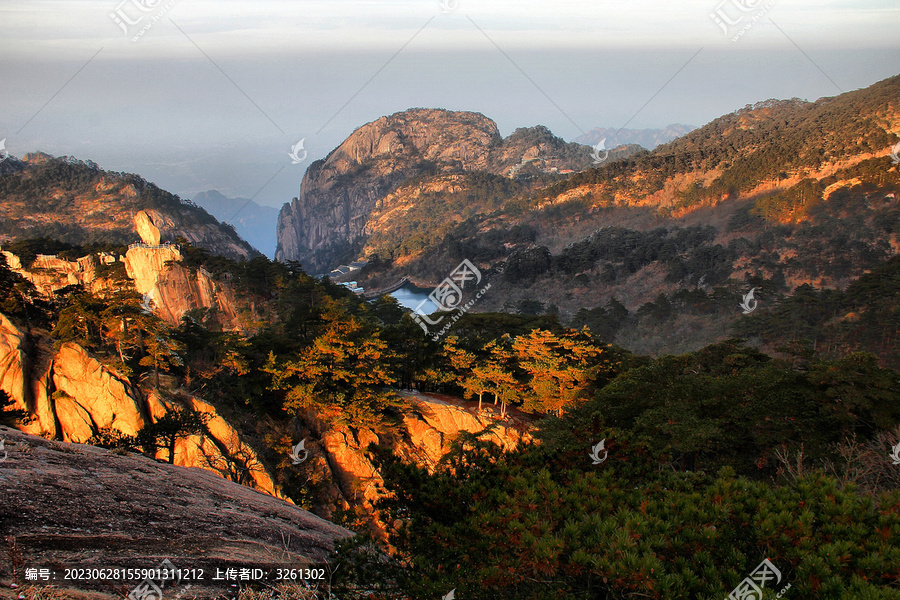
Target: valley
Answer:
pixel 648 373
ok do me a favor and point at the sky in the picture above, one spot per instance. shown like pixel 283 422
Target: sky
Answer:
pixel 196 95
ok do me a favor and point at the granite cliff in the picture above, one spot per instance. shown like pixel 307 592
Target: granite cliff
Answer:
pixel 329 221
pixel 153 270
pixel 430 424
pixel 174 289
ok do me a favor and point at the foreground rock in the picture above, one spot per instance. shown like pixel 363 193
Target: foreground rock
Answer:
pixel 70 505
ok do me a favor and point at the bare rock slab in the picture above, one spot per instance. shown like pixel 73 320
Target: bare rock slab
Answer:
pixel 71 505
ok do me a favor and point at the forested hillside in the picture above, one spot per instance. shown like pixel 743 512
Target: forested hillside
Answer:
pixel 655 251
pixel 710 461
pixel 77 202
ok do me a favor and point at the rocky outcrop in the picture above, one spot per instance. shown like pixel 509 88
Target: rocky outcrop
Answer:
pixel 146 229
pixel 71 396
pixel 212 236
pixel 322 226
pixel 87 397
pixel 174 289
pixel 85 507
pixel 430 424
pixel 147 266
pixel 68 394
pixel 49 272
pixel 435 421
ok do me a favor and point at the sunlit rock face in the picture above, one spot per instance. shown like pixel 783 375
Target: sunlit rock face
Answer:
pixel 71 396
pixel 146 229
pixel 324 224
pixel 431 423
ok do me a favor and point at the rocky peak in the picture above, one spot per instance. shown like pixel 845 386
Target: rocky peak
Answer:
pixel 37 158
pixel 402 139
pixel 339 192
pixel 323 226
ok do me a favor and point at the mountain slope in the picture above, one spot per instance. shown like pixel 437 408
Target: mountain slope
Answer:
pixel 78 203
pixel 777 195
pixel 770 145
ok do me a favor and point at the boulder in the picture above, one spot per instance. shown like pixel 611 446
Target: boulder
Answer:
pixel 145 228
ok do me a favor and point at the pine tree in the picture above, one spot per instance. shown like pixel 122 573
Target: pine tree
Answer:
pixel 176 424
pixel 560 368
pixel 498 372
pixel 9 416
pixel 345 374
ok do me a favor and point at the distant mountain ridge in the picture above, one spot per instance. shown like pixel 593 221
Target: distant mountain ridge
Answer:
pixel 254 222
pixel 646 138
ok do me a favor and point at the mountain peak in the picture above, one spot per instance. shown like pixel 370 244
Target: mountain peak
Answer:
pixel 321 228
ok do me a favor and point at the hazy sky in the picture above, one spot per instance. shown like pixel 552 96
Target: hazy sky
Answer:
pixel 214 94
